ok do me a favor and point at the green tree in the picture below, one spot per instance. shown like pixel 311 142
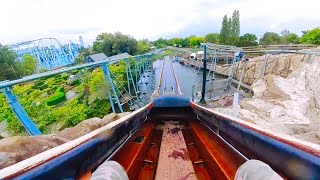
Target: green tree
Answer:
pixel 290 37
pixel 212 38
pixel 116 43
pixel 247 40
pixel 195 41
pixel 160 43
pixel 143 46
pixel 230 29
pixel 29 64
pixel 9 67
pixel 176 42
pixel 234 28
pixel 270 38
pixel 186 41
pixel 225 30
pixel 311 37
pixel 83 56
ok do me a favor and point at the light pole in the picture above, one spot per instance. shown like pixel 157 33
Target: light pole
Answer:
pixel 204 77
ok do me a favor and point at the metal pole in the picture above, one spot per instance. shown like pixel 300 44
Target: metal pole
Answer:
pixel 130 78
pixel 204 78
pixel 137 74
pixel 108 78
pixel 21 113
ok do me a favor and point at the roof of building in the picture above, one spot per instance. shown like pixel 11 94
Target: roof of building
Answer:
pixel 120 56
pixel 98 57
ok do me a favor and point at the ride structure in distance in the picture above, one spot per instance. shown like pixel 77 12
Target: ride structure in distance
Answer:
pixel 49 52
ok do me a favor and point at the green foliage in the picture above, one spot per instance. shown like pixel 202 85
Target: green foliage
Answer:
pixel 161 43
pixel 143 46
pixel 58 97
pixel 29 64
pixel 111 44
pixel 176 42
pixel 74 72
pixel 6 114
pixel 83 56
pixel 235 28
pixel 186 42
pixel 43 86
pixel 292 38
pixel 212 38
pixel 75 82
pixel 72 113
pixel 97 87
pixel 9 68
pixel 195 41
pixel 270 38
pixel 91 101
pixel 98 109
pixel 230 29
pixel 248 40
pixel 311 37
pixel 225 30
pixel 289 37
pixel 42 70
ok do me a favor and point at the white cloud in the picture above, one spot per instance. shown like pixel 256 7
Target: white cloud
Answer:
pixel 67 19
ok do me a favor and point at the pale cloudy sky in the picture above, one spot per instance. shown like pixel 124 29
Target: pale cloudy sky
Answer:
pixel 22 20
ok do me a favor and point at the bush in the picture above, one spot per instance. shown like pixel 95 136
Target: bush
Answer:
pixel 58 97
pixel 74 72
pixel 75 82
pixel 65 76
pixel 42 87
pixel 39 83
pixel 311 37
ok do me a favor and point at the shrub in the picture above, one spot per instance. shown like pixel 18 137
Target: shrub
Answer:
pixel 74 72
pixel 58 97
pixel 65 76
pixel 75 82
pixel 39 83
pixel 42 87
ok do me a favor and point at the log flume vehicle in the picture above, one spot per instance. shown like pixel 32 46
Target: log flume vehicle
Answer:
pixel 174 138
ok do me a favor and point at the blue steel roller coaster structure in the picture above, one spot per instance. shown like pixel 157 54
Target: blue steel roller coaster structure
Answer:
pixel 49 51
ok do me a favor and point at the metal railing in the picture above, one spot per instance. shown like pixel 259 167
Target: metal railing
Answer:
pixel 144 61
pixel 237 68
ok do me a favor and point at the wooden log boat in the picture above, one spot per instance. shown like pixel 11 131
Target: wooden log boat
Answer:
pixel 173 138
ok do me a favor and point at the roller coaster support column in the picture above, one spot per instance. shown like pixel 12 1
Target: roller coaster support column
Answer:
pixel 142 65
pixel 113 94
pixel 204 78
pixel 130 78
pixel 21 113
pixel 136 68
pixel 215 64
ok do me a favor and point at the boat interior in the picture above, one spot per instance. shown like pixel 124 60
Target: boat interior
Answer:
pixel 175 144
pixel 173 138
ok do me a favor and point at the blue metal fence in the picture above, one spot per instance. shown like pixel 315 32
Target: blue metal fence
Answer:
pixel 140 62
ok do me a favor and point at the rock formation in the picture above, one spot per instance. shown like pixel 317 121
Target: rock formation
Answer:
pixel 17 148
pixel 287 99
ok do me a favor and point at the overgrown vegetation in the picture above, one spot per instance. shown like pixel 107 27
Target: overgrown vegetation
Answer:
pixel 52 112
pixel 45 102
pixel 117 43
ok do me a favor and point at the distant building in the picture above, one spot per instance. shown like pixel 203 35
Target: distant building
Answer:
pixel 102 57
pixel 119 56
pixel 97 57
